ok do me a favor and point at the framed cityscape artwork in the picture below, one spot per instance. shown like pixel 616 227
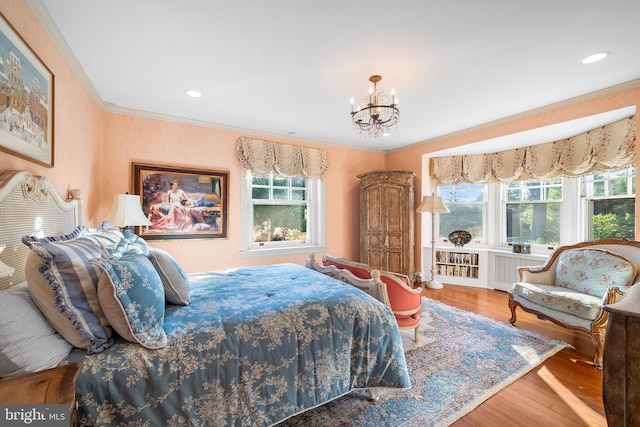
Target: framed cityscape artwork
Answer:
pixel 26 100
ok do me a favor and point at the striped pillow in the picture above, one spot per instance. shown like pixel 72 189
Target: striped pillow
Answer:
pixel 106 235
pixel 28 343
pixel 174 279
pixel 64 288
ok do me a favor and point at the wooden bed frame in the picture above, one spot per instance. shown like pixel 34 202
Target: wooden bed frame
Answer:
pixel 31 205
pixel 373 286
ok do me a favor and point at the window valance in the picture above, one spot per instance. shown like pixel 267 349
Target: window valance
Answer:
pixel 263 157
pixel 609 147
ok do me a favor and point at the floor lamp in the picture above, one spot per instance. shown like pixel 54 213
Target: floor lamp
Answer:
pixel 434 205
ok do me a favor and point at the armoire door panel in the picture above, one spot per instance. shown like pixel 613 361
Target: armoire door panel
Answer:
pixel 375 240
pixel 375 260
pixel 394 214
pixel 394 262
pixel 387 220
pixel 394 241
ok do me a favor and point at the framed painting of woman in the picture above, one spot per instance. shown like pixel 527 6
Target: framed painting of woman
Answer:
pixel 182 203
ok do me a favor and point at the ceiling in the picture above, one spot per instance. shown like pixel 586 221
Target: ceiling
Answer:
pixel 288 68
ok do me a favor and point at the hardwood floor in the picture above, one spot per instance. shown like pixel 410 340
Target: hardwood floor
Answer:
pixel 566 390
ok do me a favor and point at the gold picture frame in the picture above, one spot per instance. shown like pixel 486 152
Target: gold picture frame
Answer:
pixel 182 203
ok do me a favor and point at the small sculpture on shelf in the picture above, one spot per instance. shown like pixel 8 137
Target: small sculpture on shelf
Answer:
pixel 460 237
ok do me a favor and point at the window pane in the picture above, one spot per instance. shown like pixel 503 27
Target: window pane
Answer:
pixel 618 187
pixel 260 180
pixel 537 223
pixel 298 195
pixel 467 217
pixel 613 218
pixel 280 194
pixel 276 223
pixel 279 222
pixel 466 203
pixel 260 193
pixel 513 193
pixel 534 191
pixel 298 182
pixel 279 181
pixel 598 189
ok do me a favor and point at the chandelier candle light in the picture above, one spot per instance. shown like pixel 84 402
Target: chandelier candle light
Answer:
pixel 434 205
pixel 375 117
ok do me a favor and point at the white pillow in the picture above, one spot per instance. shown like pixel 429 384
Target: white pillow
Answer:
pixel 28 343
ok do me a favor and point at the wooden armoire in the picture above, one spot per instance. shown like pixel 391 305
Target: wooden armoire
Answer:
pixel 387 215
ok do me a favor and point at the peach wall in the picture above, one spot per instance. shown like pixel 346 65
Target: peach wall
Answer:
pixel 128 139
pixel 410 158
pixel 77 162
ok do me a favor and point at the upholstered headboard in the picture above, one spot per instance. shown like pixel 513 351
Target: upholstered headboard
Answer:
pixel 30 205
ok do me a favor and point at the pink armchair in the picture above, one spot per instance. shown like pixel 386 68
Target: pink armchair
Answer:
pixel 402 298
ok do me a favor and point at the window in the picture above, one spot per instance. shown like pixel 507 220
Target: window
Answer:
pixel 466 203
pixel 532 212
pixel 544 214
pixel 610 204
pixel 282 215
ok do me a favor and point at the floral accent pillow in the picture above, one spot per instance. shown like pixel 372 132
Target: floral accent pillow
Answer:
pixel 131 295
pixel 593 271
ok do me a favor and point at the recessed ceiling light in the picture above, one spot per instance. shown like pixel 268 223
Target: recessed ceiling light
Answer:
pixel 595 57
pixel 193 93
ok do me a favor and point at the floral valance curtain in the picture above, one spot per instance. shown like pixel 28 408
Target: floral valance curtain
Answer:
pixel 263 157
pixel 609 147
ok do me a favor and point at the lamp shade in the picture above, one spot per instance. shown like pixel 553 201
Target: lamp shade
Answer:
pixel 5 270
pixel 126 211
pixel 433 204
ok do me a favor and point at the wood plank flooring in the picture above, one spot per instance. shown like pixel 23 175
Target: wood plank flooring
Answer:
pixel 566 390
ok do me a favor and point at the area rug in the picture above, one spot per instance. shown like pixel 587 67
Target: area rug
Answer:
pixel 461 360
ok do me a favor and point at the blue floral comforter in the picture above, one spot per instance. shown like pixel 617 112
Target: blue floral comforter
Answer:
pixel 255 346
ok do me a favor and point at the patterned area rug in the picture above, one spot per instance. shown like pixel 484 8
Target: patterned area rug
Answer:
pixel 462 359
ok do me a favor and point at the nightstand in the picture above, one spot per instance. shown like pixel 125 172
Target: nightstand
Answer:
pixel 51 386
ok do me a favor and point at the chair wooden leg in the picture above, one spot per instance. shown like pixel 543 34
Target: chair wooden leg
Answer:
pixel 416 336
pixel 512 307
pixel 598 342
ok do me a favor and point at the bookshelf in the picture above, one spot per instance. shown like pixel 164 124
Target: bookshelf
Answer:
pixel 453 263
pixel 482 267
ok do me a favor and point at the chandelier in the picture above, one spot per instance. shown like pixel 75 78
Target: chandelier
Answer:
pixel 375 117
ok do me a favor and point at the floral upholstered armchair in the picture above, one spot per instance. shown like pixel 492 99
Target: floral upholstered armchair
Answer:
pixel 575 283
pixel 393 289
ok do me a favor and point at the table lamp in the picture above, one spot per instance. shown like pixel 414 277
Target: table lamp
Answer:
pixel 126 212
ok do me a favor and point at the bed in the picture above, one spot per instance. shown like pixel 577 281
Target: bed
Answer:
pixel 248 346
